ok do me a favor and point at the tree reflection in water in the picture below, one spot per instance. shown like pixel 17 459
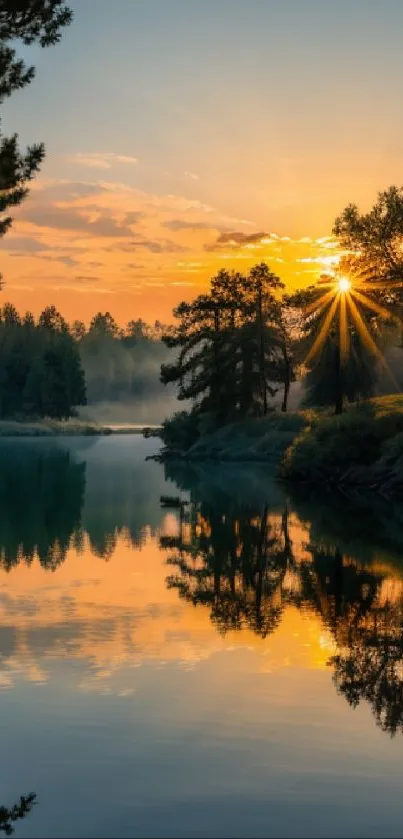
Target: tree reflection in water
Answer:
pixel 235 556
pixel 8 816
pixel 51 500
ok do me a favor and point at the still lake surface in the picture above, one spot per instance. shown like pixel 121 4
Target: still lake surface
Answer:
pixel 229 668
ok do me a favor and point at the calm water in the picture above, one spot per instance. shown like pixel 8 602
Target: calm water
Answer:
pixel 229 668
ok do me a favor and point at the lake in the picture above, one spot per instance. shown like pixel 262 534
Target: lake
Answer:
pixel 226 665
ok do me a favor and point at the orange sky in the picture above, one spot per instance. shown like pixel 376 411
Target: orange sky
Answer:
pixel 98 245
pixel 181 136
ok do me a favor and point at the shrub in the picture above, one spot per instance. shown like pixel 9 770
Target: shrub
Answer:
pixel 331 445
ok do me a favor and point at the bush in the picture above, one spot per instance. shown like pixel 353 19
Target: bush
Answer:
pixel 180 431
pixel 333 445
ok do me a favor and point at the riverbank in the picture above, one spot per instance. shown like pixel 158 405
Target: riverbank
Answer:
pixel 60 428
pixel 362 447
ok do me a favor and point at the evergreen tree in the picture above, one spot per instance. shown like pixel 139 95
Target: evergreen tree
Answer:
pixel 40 367
pixel 230 344
pixel 340 364
pixel 28 21
pixel 376 239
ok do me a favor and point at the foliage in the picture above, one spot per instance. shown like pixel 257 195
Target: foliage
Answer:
pixel 196 437
pixel 375 236
pixel 28 21
pixel 40 370
pixel 349 448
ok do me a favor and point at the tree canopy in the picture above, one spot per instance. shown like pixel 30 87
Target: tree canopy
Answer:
pixel 40 367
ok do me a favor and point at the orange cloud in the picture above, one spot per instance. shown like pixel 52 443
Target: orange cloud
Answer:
pixel 74 241
pixel 101 160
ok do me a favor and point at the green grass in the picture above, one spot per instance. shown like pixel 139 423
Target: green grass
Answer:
pixel 263 439
pixel 361 447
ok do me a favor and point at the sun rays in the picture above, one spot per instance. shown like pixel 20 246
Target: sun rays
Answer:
pixel 345 307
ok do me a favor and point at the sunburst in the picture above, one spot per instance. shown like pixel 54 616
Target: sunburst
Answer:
pixel 348 294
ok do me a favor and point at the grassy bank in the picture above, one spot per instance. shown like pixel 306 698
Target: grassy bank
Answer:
pixel 262 439
pixel 361 448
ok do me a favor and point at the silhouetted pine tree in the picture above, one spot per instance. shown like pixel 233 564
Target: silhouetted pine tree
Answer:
pixel 28 21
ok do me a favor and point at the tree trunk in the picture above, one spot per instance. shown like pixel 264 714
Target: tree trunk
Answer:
pixel 287 381
pixel 338 406
pixel 262 360
pixel 339 395
pixel 284 403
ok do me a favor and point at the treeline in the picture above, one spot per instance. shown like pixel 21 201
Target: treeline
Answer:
pixel 49 368
pixel 40 368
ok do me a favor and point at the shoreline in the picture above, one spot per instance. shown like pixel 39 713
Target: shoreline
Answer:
pixel 67 428
pixel 360 449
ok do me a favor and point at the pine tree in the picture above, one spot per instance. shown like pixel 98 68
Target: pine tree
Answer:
pixel 28 21
pixel 230 345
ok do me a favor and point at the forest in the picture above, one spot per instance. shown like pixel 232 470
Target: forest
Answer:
pixel 49 368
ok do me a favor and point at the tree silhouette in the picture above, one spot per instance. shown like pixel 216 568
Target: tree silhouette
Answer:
pixel 235 557
pixel 40 367
pixel 28 21
pixel 232 559
pixel 333 376
pixel 8 816
pixel 230 346
pixel 41 500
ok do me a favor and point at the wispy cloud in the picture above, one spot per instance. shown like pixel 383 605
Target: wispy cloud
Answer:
pixel 101 160
pixel 192 176
pixel 177 224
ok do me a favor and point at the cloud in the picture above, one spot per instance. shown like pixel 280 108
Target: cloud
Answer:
pixel 67 218
pixel 68 260
pixel 65 190
pixel 133 217
pixel 236 239
pixel 177 224
pixel 192 176
pixel 23 244
pixel 159 246
pixel 101 160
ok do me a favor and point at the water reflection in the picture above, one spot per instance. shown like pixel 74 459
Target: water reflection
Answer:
pixel 237 549
pixel 240 561
pixel 41 498
pixel 54 496
pixel 9 816
pixel 185 670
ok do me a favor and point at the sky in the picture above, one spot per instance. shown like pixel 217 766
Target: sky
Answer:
pixel 184 136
